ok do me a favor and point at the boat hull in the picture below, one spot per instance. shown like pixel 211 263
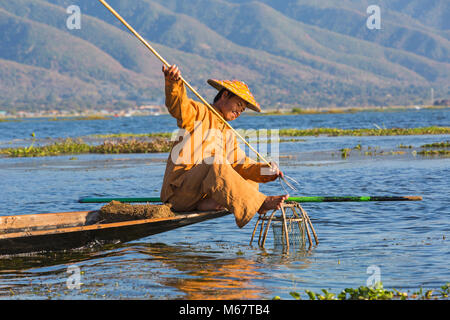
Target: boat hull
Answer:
pixel 70 230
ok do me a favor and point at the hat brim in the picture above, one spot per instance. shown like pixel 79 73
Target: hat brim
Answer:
pixel 219 86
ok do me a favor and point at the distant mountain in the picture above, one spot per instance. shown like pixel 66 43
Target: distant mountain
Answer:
pixel 291 52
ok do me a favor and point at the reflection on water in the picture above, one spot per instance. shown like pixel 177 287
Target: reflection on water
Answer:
pixel 208 277
pixel 192 273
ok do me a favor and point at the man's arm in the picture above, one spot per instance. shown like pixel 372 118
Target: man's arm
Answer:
pixel 249 168
pixel 177 102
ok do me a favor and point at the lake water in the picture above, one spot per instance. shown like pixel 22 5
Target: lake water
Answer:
pixel 407 243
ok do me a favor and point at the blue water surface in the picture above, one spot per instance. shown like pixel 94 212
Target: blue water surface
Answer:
pixel 406 242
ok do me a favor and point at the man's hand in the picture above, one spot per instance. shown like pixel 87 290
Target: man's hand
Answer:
pixel 275 170
pixel 172 72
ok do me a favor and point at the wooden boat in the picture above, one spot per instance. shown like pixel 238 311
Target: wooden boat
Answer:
pixel 70 230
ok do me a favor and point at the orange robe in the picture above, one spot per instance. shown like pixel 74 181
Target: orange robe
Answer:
pixel 207 162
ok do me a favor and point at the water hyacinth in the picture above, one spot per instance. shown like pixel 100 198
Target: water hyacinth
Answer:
pixel 66 146
pixel 286 132
pixel 444 144
pixel 441 152
pixel 133 135
pixel 364 132
pixel 374 293
pixel 443 149
pixel 132 146
pixel 78 146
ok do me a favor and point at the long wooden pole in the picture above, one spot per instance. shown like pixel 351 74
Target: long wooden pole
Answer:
pixel 295 199
pixel 114 12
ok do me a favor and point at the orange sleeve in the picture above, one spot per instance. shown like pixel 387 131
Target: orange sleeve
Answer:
pixel 178 104
pixel 248 168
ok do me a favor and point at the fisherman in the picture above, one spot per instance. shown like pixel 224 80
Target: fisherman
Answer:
pixel 206 170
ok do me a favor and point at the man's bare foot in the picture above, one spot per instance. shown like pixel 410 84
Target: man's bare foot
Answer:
pixel 209 204
pixel 272 203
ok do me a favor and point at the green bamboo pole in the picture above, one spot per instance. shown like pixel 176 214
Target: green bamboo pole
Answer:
pixel 295 199
pixel 355 199
pixel 104 200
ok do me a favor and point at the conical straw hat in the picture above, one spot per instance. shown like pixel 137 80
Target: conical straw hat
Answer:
pixel 239 88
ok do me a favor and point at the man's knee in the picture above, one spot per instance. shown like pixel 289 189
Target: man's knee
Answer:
pixel 219 168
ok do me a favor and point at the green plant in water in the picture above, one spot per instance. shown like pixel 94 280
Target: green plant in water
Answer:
pixel 318 296
pixel 369 293
pixel 133 146
pixel 430 149
pixel 364 132
pixel 345 152
pixel 133 135
pixel 32 142
pixel 444 144
pixel 309 132
pixel 78 146
pixel 441 152
pixel 445 290
pixel 372 293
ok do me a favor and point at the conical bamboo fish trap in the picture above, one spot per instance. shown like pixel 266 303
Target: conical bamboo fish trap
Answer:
pixel 290 228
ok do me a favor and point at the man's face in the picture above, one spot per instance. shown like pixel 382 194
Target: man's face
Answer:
pixel 231 108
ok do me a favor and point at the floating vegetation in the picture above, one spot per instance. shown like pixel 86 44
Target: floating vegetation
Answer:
pixel 375 293
pixel 440 152
pixel 78 146
pixel 160 142
pixel 133 135
pixel 9 120
pixel 67 146
pixel 435 149
pixel 345 152
pixel 427 150
pixel 364 132
pixel 309 132
pixel 370 151
pixel 169 135
pixel 270 140
pixel 289 140
pixel 133 146
pixel 444 144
